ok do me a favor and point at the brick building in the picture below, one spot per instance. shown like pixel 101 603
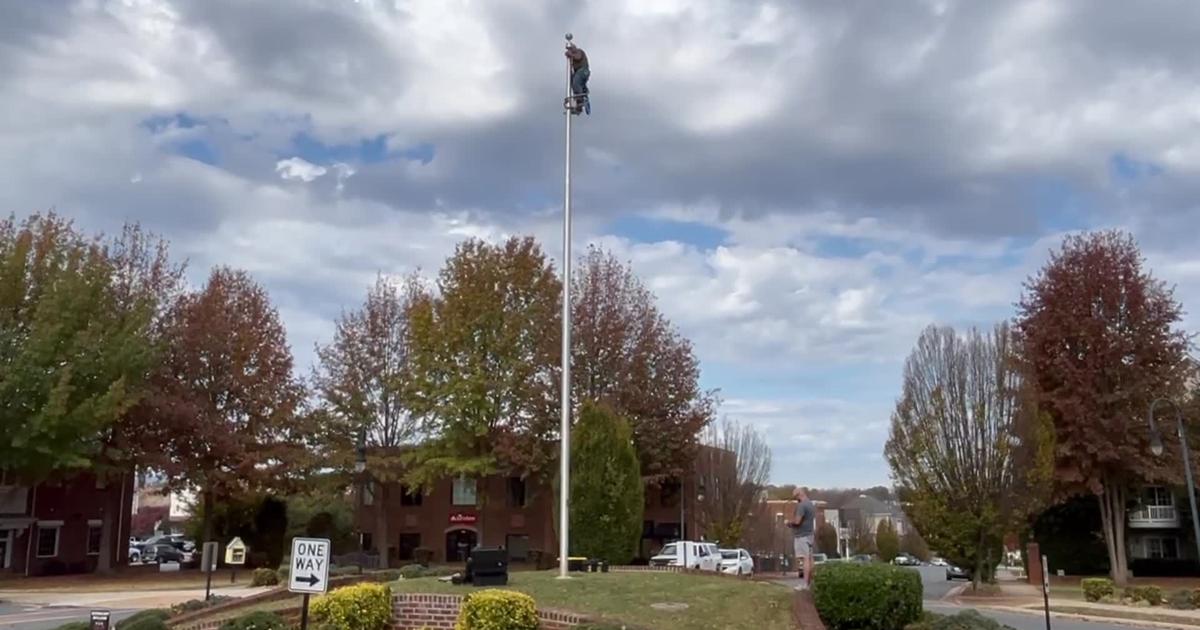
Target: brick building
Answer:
pixel 55 527
pixel 519 515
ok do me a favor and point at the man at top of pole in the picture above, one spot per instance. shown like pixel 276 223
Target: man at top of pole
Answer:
pixel 580 73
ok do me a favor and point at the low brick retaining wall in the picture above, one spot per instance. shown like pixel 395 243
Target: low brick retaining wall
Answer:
pixel 201 619
pixel 413 611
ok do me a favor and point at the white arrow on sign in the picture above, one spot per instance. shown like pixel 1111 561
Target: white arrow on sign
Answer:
pixel 310 565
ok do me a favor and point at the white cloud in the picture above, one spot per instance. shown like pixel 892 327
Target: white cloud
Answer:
pixel 301 169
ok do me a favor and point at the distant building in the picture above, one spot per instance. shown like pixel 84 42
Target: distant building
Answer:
pixel 56 526
pixel 155 510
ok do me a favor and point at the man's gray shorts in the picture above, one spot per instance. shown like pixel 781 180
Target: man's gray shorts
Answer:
pixel 804 545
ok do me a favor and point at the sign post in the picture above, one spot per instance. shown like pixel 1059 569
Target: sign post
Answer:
pixel 99 620
pixel 309 572
pixel 1046 589
pixel 235 556
pixel 208 564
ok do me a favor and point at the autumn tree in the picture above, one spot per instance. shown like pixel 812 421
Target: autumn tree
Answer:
pixel 1099 334
pixel 959 435
pixel 225 400
pixel 360 377
pixel 732 468
pixel 484 356
pixel 827 539
pixel 862 539
pixel 626 354
pixel 606 487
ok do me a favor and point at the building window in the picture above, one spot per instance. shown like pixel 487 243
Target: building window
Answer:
pixel 368 492
pixel 518 547
pixel 364 540
pixel 1160 548
pixel 47 541
pixel 669 494
pixel 94 532
pixel 1159 496
pixel 408 545
pixel 410 497
pixel 464 491
pixel 516 492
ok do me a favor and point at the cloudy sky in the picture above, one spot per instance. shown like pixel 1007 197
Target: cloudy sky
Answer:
pixel 804 185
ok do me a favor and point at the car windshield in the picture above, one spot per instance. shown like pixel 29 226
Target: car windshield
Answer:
pixel 729 555
pixel 669 550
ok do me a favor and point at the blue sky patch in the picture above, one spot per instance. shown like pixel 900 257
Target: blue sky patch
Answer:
pixel 1125 169
pixel 644 229
pixel 366 151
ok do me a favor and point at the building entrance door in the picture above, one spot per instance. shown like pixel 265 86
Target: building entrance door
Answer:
pixel 459 543
pixel 6 536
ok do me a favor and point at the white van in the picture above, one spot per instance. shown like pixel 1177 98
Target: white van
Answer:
pixel 704 556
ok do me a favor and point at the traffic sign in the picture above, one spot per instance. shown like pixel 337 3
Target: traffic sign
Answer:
pixel 310 565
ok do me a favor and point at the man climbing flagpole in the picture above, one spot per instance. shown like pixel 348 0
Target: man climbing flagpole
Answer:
pixel 570 107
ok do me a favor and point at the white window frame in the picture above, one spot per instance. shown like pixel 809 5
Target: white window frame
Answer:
pixel 87 542
pixel 368 498
pixel 1150 542
pixel 459 492
pixel 1155 496
pixel 37 541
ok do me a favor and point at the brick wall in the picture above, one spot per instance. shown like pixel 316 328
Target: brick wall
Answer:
pixel 413 611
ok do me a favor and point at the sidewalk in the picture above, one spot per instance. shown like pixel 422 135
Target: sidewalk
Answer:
pixel 128 598
pixel 1027 598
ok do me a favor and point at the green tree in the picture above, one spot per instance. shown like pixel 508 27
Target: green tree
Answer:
pixel 484 356
pixel 1100 338
pixel 827 539
pixel 606 487
pixel 887 542
pixel 969 451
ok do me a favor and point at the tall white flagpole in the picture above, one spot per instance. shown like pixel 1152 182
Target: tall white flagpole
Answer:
pixel 565 430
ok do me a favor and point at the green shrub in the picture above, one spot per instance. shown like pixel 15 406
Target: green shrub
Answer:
pixel 152 619
pixel 346 570
pixel 1181 600
pixel 423 555
pixel 494 609
pixel 1150 594
pixel 366 606
pixel 1196 598
pixel 1096 589
pixel 283 573
pixel 410 571
pixel 257 620
pixel 75 625
pixel 264 577
pixel 198 604
pixel 867 596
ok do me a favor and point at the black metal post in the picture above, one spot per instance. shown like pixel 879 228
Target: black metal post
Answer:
pixel 1046 589
pixel 207 582
pixel 304 614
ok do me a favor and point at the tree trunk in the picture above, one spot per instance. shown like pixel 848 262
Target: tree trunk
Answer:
pixel 381 525
pixel 1112 521
pixel 980 565
pixel 104 562
pixel 207 517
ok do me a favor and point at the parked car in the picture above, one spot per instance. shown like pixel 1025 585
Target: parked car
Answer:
pixel 938 562
pixel 956 573
pixel 700 555
pixel 863 558
pixel 905 560
pixel 135 554
pixel 162 552
pixel 737 562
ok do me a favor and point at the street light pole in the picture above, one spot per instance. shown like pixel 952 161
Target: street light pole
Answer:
pixel 1156 446
pixel 565 410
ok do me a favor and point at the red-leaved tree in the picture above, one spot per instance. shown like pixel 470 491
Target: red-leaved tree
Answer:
pixel 1099 336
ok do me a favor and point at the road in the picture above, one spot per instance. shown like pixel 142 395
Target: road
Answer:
pixel 34 617
pixel 936 587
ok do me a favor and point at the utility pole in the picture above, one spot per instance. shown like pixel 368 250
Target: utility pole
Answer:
pixel 565 429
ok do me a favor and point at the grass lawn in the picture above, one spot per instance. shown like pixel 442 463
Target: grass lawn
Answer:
pixel 713 602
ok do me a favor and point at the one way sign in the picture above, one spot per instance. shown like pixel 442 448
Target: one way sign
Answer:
pixel 310 565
